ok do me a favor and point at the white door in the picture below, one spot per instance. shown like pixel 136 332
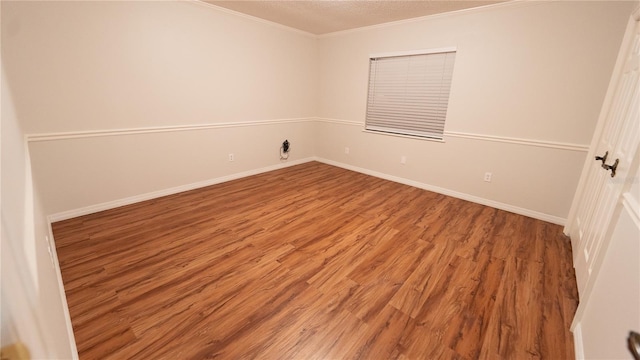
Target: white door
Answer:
pixel 617 136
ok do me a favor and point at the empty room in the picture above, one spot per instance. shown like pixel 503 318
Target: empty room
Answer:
pixel 191 179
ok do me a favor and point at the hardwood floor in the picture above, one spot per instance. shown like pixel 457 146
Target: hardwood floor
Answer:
pixel 316 262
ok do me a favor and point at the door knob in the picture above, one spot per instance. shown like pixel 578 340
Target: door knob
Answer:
pixel 634 344
pixel 603 158
pixel 611 167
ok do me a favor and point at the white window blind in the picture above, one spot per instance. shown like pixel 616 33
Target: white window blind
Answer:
pixel 409 94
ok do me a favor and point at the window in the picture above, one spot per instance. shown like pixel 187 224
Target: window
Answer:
pixel 409 93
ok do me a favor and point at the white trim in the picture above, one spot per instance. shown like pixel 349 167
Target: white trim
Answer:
pixel 632 207
pixel 615 79
pixel 578 344
pixel 174 190
pixel 156 194
pixel 63 295
pixel 491 203
pixel 194 127
pixel 156 129
pixel 406 136
pixel 413 52
pixel 253 18
pixel 519 141
pixel 341 122
pixel 513 3
pixel 493 138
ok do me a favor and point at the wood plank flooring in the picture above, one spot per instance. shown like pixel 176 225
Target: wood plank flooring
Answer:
pixel 316 262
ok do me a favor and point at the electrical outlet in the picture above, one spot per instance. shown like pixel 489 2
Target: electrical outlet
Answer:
pixel 346 150
pixel 230 157
pixel 487 176
pixel 403 160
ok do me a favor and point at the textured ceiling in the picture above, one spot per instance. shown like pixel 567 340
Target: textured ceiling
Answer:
pixel 326 16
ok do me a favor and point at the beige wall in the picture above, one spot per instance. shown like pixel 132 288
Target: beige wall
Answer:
pixel 111 67
pixel 128 64
pixel 85 172
pixel 125 100
pixel 523 179
pixel 528 84
pixel 119 100
pixel 32 309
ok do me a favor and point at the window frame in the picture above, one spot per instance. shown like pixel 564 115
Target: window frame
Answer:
pixel 407 133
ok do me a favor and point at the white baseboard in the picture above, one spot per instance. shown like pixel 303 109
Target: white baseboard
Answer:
pixel 156 194
pixel 63 296
pixel 495 204
pixel 174 190
pixel 578 345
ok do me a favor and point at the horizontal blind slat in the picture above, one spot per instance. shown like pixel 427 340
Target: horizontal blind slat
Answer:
pixel 410 94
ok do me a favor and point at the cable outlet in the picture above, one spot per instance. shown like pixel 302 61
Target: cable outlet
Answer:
pixel 403 160
pixel 230 157
pixel 346 150
pixel 487 176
